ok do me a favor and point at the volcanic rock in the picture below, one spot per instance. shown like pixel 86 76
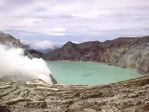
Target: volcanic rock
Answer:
pixel 132 52
pixel 37 96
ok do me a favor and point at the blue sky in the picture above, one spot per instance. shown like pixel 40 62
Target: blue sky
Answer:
pixel 49 23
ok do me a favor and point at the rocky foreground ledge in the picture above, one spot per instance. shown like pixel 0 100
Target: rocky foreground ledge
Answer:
pixel 36 96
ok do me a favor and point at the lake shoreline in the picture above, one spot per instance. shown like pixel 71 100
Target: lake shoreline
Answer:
pixel 91 72
pixel 140 72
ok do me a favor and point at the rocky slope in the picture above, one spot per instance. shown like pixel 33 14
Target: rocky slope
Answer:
pixel 10 40
pixel 36 96
pixel 125 52
pixel 35 53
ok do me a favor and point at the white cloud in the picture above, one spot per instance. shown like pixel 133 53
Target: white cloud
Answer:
pixel 45 44
pixel 73 17
pixel 58 29
pixel 55 31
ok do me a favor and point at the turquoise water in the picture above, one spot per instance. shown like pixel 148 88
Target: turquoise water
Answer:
pixel 89 73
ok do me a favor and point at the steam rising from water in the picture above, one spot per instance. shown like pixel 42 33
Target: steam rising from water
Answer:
pixel 15 66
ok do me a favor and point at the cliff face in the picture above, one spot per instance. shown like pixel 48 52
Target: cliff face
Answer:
pixel 124 52
pixel 10 40
pixel 36 96
pixel 134 55
pixel 35 53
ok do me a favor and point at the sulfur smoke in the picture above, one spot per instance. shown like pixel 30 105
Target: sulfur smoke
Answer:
pixel 14 65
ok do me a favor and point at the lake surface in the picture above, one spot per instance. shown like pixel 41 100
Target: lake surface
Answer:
pixel 89 73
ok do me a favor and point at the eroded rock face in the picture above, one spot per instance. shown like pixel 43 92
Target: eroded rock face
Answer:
pixel 37 96
pixel 124 52
pixel 10 40
pixel 35 53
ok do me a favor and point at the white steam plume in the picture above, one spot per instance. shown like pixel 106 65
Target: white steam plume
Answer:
pixel 17 67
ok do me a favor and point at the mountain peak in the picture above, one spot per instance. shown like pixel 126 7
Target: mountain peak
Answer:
pixel 69 43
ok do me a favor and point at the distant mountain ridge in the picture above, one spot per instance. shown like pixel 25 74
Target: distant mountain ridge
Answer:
pixel 125 51
pixel 130 52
